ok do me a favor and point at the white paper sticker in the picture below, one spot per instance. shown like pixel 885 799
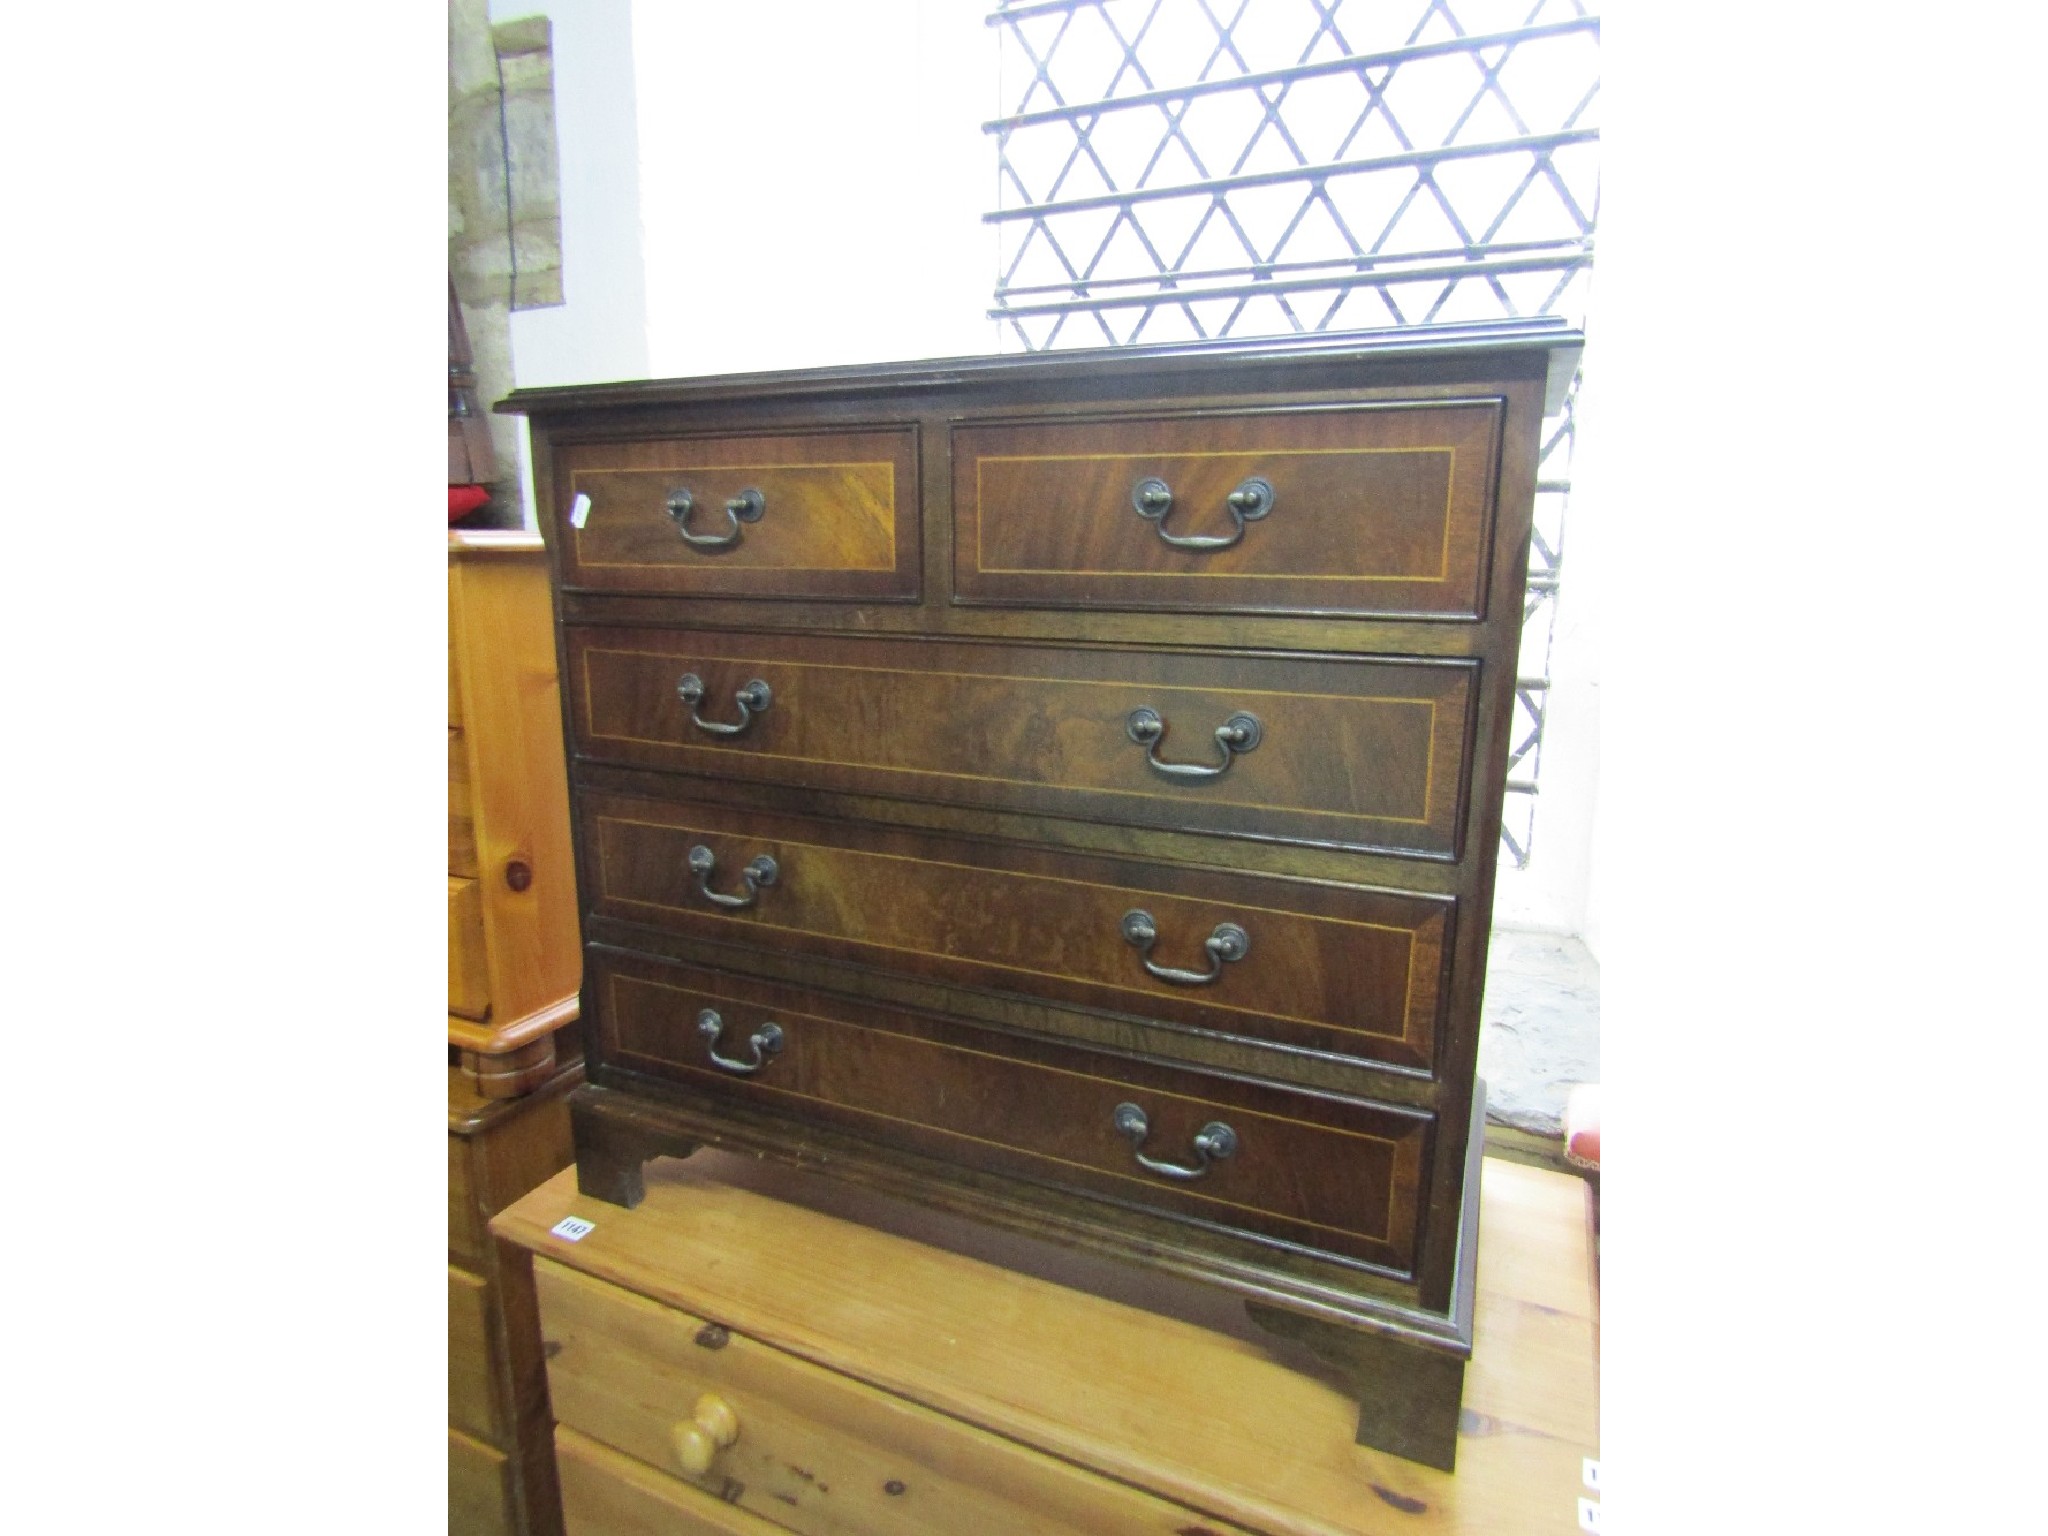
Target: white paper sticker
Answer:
pixel 572 1229
pixel 1589 1516
pixel 579 511
pixel 1592 1474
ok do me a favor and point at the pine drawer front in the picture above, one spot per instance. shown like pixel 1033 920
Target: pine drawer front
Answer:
pixel 1332 1173
pixel 468 1243
pixel 606 1494
pixel 1380 510
pixel 1350 970
pixel 1346 752
pixel 469 979
pixel 479 1489
pixel 462 854
pixel 472 1401
pixel 815 1451
pixel 802 514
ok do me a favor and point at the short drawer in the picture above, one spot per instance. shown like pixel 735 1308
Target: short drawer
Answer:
pixel 479 1489
pixel 467 1240
pixel 1345 752
pixel 1381 509
pixel 606 1494
pixel 1345 969
pixel 1325 1171
pixel 469 980
pixel 802 514
pixel 462 856
pixel 472 1400
pixel 809 1449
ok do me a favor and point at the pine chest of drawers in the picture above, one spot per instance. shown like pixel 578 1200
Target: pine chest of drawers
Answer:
pixel 1065 789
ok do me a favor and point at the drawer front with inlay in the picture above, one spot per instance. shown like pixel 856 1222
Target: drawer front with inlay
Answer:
pixel 1342 752
pixel 808 1448
pixel 1328 1172
pixel 1380 510
pixel 812 514
pixel 1345 969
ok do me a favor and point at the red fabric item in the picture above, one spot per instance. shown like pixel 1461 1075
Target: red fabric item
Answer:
pixel 465 499
pixel 1582 1126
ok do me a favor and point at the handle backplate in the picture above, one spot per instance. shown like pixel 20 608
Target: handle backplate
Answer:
pixel 1213 1143
pixel 747 507
pixel 1152 499
pixel 1240 733
pixel 753 699
pixel 765 1043
pixel 759 874
pixel 1226 944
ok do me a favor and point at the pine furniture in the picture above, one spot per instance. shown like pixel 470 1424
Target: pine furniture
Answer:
pixel 501 1468
pixel 754 1349
pixel 514 958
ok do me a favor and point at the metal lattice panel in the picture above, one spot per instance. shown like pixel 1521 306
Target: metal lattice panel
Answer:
pixel 1173 170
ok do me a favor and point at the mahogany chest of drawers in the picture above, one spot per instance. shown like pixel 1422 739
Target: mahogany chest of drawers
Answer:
pixel 1065 789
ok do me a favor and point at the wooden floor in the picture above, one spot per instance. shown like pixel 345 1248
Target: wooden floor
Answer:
pixel 1148 1380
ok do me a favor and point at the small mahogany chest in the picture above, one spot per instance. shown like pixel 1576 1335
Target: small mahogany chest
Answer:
pixel 1065 789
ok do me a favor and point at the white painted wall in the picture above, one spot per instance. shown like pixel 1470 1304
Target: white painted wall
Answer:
pixel 815 176
pixel 600 332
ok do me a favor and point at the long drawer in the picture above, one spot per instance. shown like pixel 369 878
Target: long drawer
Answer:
pixel 1347 752
pixel 805 1447
pixel 1351 970
pixel 1330 1172
pixel 795 514
pixel 1382 509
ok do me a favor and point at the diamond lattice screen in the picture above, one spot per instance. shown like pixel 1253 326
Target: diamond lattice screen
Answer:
pixel 1175 170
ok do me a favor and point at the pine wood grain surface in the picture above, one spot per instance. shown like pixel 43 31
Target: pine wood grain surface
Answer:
pixel 469 975
pixel 817 1452
pixel 1206 1417
pixel 479 1496
pixel 606 1494
pixel 508 801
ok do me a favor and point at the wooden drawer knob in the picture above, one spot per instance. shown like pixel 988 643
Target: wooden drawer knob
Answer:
pixel 710 1430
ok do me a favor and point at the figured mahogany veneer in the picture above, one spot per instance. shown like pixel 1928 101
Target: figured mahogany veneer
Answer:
pixel 1346 970
pixel 838 515
pixel 1380 510
pixel 1353 751
pixel 1075 796
pixel 1334 1173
